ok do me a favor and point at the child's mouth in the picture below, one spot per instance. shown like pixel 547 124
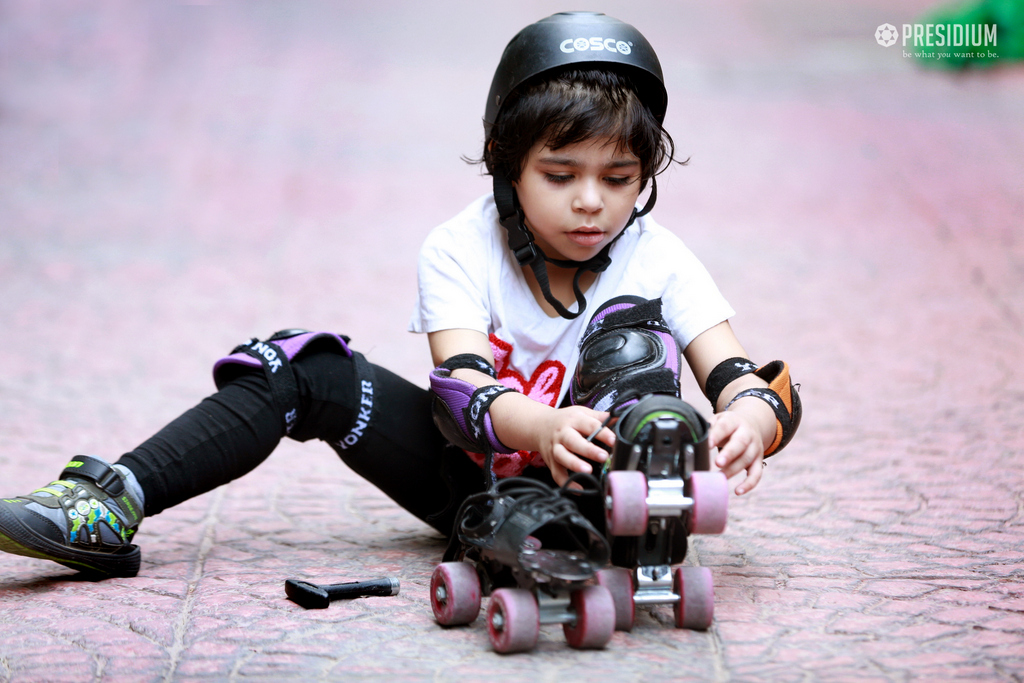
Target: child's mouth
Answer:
pixel 586 237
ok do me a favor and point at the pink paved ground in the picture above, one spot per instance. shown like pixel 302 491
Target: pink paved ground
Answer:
pixel 177 177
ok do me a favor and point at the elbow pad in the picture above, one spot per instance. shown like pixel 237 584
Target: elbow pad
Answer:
pixel 461 409
pixel 783 398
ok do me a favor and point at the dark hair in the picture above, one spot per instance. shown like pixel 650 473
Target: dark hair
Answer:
pixel 572 106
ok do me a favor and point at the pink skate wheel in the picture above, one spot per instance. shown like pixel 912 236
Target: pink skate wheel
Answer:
pixel 595 618
pixel 619 583
pixel 626 503
pixel 710 493
pixel 455 593
pixel 513 620
pixel 696 591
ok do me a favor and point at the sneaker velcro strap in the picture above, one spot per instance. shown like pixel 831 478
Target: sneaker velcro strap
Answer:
pixel 94 470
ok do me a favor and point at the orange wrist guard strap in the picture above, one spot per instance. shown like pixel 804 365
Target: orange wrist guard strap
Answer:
pixel 783 398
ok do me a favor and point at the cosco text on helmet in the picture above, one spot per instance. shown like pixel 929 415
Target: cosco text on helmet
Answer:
pixel 582 44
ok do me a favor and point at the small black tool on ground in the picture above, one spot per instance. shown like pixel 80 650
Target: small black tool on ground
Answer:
pixel 312 596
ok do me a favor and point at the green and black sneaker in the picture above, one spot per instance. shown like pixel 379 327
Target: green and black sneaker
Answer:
pixel 85 520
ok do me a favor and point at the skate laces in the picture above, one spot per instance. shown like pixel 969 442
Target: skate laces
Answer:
pixel 537 497
pixel 524 494
pixel 616 411
pixel 560 525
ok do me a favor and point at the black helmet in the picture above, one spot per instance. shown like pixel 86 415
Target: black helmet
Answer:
pixel 578 39
pixel 563 40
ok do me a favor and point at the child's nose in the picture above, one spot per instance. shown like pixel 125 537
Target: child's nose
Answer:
pixel 589 197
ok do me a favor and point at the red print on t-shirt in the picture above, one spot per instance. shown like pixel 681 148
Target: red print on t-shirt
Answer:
pixel 543 386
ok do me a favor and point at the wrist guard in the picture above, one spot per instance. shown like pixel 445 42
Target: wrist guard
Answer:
pixel 461 409
pixel 723 374
pixel 783 398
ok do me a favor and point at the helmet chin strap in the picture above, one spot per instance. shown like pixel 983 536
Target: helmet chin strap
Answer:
pixel 527 253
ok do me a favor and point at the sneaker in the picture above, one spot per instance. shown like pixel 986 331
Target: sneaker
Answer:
pixel 85 520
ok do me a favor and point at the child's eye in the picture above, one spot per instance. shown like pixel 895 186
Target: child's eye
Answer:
pixel 616 180
pixel 559 179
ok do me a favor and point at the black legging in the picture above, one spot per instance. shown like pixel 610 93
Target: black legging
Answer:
pixel 228 434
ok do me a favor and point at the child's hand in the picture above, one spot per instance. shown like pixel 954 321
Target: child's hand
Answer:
pixel 739 448
pixel 563 438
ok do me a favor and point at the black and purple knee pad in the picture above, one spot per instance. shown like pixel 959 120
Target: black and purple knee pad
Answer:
pixel 275 354
pixel 461 409
pixel 627 351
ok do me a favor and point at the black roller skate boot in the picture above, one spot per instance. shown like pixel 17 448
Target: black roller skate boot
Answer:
pixel 85 520
pixel 658 490
pixel 658 487
pixel 528 547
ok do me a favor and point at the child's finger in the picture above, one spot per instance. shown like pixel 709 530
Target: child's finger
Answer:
pixel 558 473
pixel 569 461
pixel 722 427
pixel 581 446
pixel 737 456
pixel 754 473
pixel 606 436
pixel 729 449
pixel 601 432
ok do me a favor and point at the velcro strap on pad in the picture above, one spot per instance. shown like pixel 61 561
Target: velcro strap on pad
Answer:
pixel 275 358
pixel 470 361
pixel 361 417
pixel 723 374
pixel 478 417
pixel 254 353
pixel 653 381
pixel 646 315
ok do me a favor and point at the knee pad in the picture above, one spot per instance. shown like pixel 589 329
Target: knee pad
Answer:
pixel 275 355
pixel 627 349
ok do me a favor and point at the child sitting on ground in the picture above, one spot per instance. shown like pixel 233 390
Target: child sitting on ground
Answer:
pixel 573 136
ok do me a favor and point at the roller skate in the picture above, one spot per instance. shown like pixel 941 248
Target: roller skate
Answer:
pixel 658 490
pixel 85 520
pixel 658 487
pixel 529 548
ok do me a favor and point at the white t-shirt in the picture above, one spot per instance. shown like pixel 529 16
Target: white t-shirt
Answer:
pixel 468 278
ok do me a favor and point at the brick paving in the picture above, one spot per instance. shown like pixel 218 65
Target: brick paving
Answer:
pixel 177 177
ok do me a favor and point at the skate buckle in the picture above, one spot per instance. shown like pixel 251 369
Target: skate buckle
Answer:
pixel 654 586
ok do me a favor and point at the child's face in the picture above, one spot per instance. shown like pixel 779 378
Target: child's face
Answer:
pixel 578 198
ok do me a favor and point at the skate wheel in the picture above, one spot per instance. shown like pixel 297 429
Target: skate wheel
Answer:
pixel 455 593
pixel 626 503
pixel 696 591
pixel 513 620
pixel 710 493
pixel 619 583
pixel 595 618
